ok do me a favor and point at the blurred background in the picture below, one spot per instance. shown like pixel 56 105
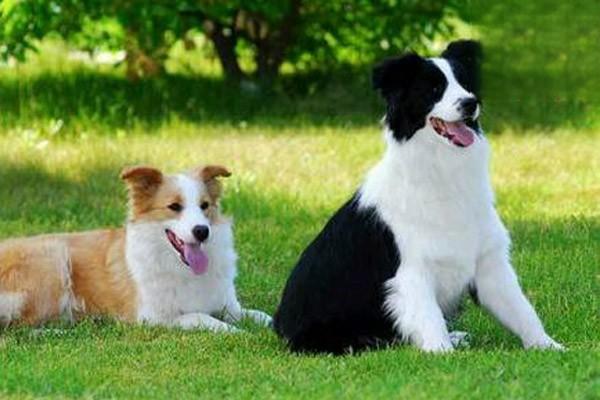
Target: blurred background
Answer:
pixel 74 67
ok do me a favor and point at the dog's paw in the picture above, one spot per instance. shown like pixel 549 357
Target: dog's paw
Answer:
pixel 259 317
pixel 460 339
pixel 233 329
pixel 437 347
pixel 544 343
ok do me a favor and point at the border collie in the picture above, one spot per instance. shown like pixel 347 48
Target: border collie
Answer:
pixel 393 263
pixel 174 263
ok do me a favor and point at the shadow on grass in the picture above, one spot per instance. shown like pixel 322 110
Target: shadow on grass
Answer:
pixel 541 63
pixel 86 99
pixel 35 200
pixel 519 97
pixel 529 97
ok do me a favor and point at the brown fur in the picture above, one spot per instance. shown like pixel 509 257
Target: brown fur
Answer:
pixel 143 184
pixel 209 174
pixel 44 277
pixel 68 274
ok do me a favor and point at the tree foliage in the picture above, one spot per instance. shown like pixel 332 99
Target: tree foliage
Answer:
pixel 305 33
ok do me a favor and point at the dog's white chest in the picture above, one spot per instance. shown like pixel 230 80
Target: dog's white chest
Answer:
pixel 445 253
pixel 168 289
pixel 440 212
pixel 182 294
pixel 450 263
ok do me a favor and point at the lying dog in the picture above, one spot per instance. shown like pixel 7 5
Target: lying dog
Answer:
pixel 174 263
pixel 395 260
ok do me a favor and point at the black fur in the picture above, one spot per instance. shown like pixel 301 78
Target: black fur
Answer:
pixel 410 85
pixel 333 299
pixel 465 57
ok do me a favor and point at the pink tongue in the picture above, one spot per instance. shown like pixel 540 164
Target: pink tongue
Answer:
pixel 196 258
pixel 461 133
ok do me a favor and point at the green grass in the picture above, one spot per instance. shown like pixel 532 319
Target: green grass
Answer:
pixel 540 68
pixel 286 183
pixel 297 153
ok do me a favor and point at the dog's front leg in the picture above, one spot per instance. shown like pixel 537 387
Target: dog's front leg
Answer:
pixel 257 316
pixel 234 312
pixel 203 321
pixel 417 316
pixel 498 291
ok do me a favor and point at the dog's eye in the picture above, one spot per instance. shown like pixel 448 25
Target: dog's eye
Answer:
pixel 204 205
pixel 175 207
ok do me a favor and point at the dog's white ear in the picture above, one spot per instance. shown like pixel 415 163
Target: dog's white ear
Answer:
pixel 394 74
pixel 469 54
pixel 142 177
pixel 210 172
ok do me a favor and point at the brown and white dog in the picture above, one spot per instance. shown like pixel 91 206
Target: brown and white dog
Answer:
pixel 173 264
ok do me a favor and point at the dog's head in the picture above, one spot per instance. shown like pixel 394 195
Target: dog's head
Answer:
pixel 183 207
pixel 433 96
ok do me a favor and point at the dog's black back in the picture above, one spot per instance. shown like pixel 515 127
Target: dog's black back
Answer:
pixel 333 300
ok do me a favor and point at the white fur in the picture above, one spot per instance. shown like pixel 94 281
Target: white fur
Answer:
pixel 448 107
pixel 191 215
pixel 168 292
pixel 11 305
pixel 438 201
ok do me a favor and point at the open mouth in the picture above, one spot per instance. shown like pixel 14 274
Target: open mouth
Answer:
pixel 191 254
pixel 457 132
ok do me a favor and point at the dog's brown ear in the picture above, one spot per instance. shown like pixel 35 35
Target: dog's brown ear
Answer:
pixel 143 183
pixel 142 177
pixel 210 172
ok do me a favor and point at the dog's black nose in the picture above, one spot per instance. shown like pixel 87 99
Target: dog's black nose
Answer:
pixel 468 106
pixel 200 232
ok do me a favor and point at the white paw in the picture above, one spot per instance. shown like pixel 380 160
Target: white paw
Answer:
pixel 438 347
pixel 460 339
pixel 221 326
pixel 544 343
pixel 233 329
pixel 259 317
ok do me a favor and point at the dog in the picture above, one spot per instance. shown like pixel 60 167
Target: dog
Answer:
pixel 393 263
pixel 173 264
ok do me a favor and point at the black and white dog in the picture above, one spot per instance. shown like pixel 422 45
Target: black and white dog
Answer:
pixel 422 229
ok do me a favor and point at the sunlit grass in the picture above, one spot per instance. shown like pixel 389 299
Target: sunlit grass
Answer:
pixel 286 183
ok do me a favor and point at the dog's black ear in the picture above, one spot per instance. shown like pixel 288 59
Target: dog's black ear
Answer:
pixel 469 54
pixel 394 74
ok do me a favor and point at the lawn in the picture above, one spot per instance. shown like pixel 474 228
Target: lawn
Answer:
pixel 286 183
pixel 297 153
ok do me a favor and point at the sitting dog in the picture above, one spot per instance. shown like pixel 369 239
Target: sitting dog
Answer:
pixel 173 264
pixel 395 260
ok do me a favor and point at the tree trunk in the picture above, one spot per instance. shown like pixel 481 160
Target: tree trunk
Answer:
pixel 225 47
pixel 271 50
pixel 224 43
pixel 271 44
